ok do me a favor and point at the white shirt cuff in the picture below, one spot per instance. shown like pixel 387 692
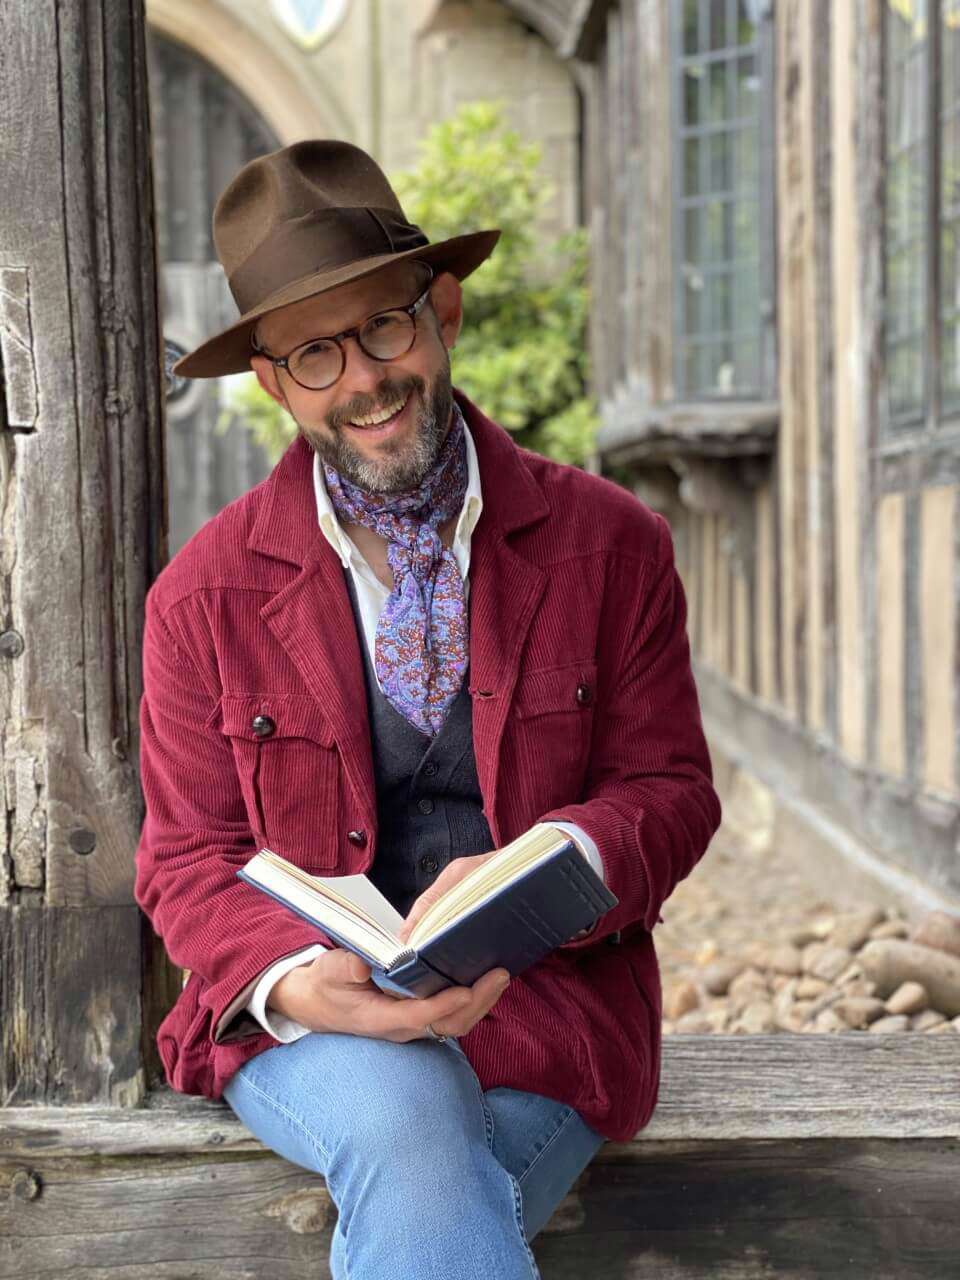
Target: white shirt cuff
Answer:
pixel 284 1029
pixel 586 844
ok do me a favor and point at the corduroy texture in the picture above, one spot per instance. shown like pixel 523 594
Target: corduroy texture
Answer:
pixel 572 587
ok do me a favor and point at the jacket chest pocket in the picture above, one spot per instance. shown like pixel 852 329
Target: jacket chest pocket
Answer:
pixel 553 710
pixel 289 772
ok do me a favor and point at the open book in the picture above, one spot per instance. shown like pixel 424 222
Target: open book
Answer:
pixel 534 894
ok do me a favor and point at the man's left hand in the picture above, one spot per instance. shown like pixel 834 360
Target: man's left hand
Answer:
pixel 448 877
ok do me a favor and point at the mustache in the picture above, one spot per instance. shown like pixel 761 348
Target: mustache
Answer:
pixel 389 394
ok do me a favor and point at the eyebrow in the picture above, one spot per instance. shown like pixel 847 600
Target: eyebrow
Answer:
pixel 313 337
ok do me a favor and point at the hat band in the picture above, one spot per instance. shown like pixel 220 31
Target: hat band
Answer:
pixel 321 240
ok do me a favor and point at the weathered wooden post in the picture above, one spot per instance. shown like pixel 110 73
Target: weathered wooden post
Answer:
pixel 82 534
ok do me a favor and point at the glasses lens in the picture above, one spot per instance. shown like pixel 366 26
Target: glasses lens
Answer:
pixel 387 335
pixel 316 365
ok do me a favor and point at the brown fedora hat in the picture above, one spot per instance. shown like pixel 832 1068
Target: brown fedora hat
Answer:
pixel 305 219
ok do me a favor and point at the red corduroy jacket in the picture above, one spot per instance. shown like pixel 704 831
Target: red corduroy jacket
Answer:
pixel 572 585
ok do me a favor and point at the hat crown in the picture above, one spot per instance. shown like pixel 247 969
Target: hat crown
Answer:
pixel 292 183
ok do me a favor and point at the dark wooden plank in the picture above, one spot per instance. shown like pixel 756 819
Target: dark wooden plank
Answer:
pixel 69 1005
pixel 726 1210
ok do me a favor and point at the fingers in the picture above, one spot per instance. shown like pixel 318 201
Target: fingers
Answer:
pixel 484 994
pixel 344 967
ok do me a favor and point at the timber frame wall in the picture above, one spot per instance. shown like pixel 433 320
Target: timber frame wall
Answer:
pixel 820 554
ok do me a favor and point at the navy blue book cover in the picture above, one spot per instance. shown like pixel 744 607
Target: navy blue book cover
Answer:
pixel 525 920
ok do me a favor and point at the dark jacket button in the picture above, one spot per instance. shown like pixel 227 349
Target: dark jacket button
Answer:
pixel 357 838
pixel 425 805
pixel 428 862
pixel 584 694
pixel 262 726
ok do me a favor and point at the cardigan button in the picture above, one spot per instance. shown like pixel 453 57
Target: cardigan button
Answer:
pixel 262 726
pixel 358 838
pixel 584 695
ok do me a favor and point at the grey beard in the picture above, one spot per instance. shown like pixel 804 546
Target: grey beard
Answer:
pixel 405 469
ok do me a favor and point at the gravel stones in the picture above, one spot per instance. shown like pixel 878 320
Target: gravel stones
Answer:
pixel 849 971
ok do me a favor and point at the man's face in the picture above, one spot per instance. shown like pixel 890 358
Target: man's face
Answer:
pixel 396 455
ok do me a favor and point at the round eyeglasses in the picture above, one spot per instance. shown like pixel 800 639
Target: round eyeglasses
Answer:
pixel 318 363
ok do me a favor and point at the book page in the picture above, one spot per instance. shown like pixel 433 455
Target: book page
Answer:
pixel 323 900
pixel 539 843
pixel 366 897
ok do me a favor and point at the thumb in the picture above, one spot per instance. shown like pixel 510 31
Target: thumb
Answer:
pixel 353 968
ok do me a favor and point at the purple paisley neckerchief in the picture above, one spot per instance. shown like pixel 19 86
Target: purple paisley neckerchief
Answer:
pixel 421 639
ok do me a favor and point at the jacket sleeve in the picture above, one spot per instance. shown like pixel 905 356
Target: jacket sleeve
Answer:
pixel 649 802
pixel 196 835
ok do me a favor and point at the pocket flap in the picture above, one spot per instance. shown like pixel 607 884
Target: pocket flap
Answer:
pixel 556 689
pixel 295 715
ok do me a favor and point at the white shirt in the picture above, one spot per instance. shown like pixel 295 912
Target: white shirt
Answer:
pixel 372 594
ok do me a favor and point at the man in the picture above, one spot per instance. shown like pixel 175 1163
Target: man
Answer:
pixel 409 644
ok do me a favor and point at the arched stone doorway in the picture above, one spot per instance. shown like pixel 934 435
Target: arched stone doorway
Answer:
pixel 203 129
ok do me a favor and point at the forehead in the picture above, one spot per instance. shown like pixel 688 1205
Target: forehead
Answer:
pixel 343 307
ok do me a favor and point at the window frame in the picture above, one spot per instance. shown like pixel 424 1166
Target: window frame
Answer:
pixel 931 429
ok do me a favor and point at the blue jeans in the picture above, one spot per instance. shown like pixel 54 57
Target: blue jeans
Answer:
pixel 432 1177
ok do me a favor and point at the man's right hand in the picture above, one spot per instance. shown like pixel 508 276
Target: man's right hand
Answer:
pixel 335 992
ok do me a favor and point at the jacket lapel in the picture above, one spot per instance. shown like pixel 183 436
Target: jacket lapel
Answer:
pixel 505 592
pixel 312 617
pixel 313 620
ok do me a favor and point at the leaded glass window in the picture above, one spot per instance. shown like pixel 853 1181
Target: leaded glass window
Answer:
pixel 723 194
pixel 922 212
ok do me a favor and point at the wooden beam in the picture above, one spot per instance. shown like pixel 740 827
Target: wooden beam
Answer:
pixel 81 486
pixel 787 1155
pixel 573 27
pixel 773 1087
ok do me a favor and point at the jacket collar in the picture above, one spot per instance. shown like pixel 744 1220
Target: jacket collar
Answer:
pixel 286 526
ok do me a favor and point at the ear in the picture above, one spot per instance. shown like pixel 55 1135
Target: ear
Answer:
pixel 267 377
pixel 446 297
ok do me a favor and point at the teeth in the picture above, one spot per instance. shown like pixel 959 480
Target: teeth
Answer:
pixel 372 419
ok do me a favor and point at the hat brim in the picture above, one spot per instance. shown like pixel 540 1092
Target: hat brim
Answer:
pixel 230 350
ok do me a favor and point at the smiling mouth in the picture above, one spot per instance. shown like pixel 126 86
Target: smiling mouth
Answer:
pixel 382 418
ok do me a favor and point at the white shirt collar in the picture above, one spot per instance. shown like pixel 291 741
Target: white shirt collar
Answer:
pixel 469 513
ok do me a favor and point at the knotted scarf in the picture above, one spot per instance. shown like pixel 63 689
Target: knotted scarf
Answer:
pixel 421 644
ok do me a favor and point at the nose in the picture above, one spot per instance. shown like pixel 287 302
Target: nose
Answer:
pixel 362 375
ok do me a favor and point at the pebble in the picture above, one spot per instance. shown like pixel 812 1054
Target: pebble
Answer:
pixel 680 1000
pixel 889 962
pixel 852 929
pixel 927 1020
pixel 811 954
pixel 757 1018
pixel 859 1011
pixel 829 1020
pixel 830 963
pixel 890 929
pixel 693 1023
pixel 939 931
pixel 894 1022
pixel 785 960
pixel 910 997
pixel 717 977
pixel 809 988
